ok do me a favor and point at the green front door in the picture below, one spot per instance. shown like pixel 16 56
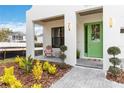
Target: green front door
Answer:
pixel 94 40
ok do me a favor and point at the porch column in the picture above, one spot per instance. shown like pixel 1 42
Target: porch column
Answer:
pixel 29 37
pixel 70 37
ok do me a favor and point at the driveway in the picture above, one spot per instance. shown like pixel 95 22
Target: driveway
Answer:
pixel 81 77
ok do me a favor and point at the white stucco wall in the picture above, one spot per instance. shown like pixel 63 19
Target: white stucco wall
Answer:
pixel 38 12
pixel 112 36
pixel 81 20
pixel 44 12
pixel 70 37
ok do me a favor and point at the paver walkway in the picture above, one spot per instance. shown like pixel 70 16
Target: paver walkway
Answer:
pixel 81 77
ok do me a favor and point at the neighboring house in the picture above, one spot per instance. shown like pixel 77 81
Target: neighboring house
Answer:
pixel 40 38
pixel 17 37
pixel 90 29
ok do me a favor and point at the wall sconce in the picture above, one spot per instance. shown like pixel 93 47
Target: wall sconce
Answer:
pixel 69 24
pixel 110 22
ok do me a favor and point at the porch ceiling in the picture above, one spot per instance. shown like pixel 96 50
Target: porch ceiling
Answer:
pixel 53 19
pixel 88 12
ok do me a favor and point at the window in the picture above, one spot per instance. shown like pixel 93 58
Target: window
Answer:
pixel 95 35
pixel 13 37
pixel 122 30
pixel 20 37
pixel 57 37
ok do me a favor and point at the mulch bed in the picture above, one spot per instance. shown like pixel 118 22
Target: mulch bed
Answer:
pixel 119 78
pixel 28 80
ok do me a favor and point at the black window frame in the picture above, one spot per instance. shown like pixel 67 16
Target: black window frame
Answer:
pixel 58 40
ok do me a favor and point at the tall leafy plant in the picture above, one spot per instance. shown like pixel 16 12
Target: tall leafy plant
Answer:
pixel 114 70
pixel 63 48
pixel 63 56
pixel 26 64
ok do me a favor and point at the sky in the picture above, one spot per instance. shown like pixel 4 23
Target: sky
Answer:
pixel 13 17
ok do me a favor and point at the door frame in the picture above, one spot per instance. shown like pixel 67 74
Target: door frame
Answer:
pixel 86 24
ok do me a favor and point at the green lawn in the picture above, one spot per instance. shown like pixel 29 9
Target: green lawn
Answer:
pixel 7 60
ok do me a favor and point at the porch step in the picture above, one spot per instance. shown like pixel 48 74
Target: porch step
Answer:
pixel 90 63
pixel 52 59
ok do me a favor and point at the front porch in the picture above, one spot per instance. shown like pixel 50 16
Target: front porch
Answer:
pixel 68 29
pixel 55 34
pixel 90 63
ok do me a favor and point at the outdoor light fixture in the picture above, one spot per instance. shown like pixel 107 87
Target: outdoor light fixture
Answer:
pixel 110 22
pixel 69 26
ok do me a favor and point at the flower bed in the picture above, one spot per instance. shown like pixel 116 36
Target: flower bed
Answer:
pixel 118 78
pixel 28 80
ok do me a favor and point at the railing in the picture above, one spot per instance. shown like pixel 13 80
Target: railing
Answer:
pixel 12 44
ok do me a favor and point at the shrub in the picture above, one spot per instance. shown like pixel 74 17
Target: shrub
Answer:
pixel 8 74
pixel 17 59
pixel 36 86
pixel 9 70
pixel 21 63
pixel 20 60
pixel 9 78
pixel 114 70
pixel 63 48
pixel 46 65
pixel 113 51
pixel 14 83
pixel 26 64
pixel 63 66
pixel 63 56
pixel 37 70
pixel 52 69
pixel 114 60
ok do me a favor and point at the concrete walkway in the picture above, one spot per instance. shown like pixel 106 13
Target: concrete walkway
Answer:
pixel 81 77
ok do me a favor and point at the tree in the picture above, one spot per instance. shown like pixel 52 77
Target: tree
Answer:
pixel 4 33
